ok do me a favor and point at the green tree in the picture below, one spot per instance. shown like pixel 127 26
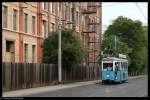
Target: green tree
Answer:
pixel 73 50
pixel 109 46
pixel 133 41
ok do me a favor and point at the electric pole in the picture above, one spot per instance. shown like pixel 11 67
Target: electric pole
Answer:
pixel 74 15
pixel 59 48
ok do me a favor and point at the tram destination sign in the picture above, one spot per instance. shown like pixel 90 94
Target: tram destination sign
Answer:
pixel 122 56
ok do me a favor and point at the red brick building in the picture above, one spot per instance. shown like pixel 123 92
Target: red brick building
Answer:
pixel 26 24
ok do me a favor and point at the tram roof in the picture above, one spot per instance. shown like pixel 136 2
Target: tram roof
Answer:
pixel 113 59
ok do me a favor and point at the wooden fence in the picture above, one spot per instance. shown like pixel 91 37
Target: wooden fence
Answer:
pixel 28 75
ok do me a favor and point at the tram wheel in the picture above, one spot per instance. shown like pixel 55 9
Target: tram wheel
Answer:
pixel 109 82
pixel 120 82
pixel 103 82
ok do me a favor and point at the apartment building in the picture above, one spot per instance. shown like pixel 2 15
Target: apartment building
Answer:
pixel 26 24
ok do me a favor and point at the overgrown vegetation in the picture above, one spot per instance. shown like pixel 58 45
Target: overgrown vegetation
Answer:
pixel 132 41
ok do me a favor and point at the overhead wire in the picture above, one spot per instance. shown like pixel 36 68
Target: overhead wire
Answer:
pixel 141 11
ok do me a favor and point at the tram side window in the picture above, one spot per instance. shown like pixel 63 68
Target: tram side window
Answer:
pixel 123 66
pixel 116 66
pixel 107 66
pixel 119 63
pixel 126 67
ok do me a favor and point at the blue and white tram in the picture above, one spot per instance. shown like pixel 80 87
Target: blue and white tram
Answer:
pixel 114 70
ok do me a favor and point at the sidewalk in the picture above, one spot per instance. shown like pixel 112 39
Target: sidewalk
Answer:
pixel 136 76
pixel 25 92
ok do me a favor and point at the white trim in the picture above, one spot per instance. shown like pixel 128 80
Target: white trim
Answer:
pixel 45 11
pixel 6 29
pixel 25 42
pixel 21 32
pixel 5 4
pixel 113 65
pixel 29 11
pixel 31 4
pixel 33 43
pixel 10 39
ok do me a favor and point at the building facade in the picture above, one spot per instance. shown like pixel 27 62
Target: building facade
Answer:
pixel 26 24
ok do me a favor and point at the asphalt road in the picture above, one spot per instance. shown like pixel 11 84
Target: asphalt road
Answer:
pixel 137 87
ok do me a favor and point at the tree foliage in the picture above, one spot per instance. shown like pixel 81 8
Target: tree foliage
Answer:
pixel 73 50
pixel 133 41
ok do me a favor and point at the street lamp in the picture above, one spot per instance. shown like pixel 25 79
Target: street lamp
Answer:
pixel 59 47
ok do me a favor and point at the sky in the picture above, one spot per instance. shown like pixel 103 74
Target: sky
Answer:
pixel 111 10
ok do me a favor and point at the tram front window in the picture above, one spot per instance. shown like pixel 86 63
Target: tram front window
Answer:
pixel 107 66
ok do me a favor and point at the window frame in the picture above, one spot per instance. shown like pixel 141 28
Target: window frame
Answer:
pixel 25 22
pixel 15 27
pixel 52 29
pixel 26 52
pixel 45 32
pixel 52 8
pixel 34 53
pixel 33 25
pixel 45 6
pixel 4 16
pixel 66 12
pixel 77 17
pixel 8 48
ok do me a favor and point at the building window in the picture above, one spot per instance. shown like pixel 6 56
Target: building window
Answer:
pixel 15 19
pixel 4 17
pixel 10 46
pixel 33 53
pixel 10 49
pixel 52 7
pixel 26 22
pixel 71 17
pixel 66 12
pixel 44 28
pixel 33 25
pixel 26 53
pixel 45 5
pixel 52 27
pixel 77 17
pixel 58 8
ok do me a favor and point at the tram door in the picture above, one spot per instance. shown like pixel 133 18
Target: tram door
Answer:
pixel 117 71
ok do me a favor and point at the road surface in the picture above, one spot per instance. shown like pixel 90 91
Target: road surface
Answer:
pixel 137 87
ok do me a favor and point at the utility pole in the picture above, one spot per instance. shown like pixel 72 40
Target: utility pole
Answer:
pixel 59 48
pixel 74 15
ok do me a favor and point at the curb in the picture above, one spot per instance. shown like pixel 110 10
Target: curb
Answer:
pixel 140 76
